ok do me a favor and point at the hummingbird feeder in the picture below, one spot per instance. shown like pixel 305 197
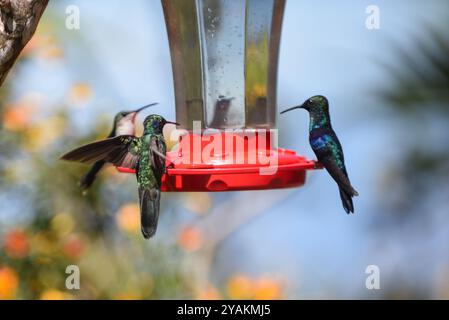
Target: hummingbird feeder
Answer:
pixel 224 57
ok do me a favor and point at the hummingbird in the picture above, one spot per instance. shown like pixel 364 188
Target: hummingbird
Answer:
pixel 327 147
pixel 145 154
pixel 124 124
pixel 221 110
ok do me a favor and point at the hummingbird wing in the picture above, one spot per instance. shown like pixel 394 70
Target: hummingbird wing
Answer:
pixel 89 178
pixel 158 151
pixel 121 151
pixel 340 176
pixel 150 195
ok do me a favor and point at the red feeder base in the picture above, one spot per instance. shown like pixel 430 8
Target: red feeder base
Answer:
pixel 236 166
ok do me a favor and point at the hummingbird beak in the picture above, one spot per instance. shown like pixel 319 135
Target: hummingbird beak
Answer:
pixel 171 122
pixel 293 108
pixel 144 107
pixel 135 112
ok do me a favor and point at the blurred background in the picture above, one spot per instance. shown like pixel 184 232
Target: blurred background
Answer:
pixel 389 96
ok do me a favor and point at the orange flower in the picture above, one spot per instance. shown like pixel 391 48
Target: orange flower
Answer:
pixel 31 46
pixel 190 239
pixel 210 293
pixel 240 287
pixel 16 244
pixel 17 116
pixel 73 247
pixel 128 218
pixel 9 283
pixel 267 289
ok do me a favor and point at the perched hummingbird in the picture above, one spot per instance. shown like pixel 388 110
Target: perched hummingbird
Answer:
pixel 124 124
pixel 145 154
pixel 327 147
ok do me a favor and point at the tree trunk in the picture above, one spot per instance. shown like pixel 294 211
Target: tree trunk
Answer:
pixel 18 22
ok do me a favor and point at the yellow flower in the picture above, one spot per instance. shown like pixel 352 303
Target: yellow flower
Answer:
pixel 128 218
pixel 80 93
pixel 53 294
pixel 240 287
pixel 43 244
pixel 44 133
pixel 62 223
pixel 9 283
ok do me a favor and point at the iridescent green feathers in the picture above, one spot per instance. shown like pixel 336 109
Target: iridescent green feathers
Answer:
pixel 145 154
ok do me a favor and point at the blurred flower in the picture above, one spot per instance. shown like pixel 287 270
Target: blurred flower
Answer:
pixel 52 294
pixel 44 46
pixel 49 48
pixel 264 288
pixel 31 46
pixel 16 244
pixel 128 218
pixel 18 116
pixel 9 283
pixel 210 293
pixel 62 224
pixel 267 288
pixel 190 239
pixel 44 133
pixel 43 244
pixel 51 52
pixel 197 202
pixel 240 287
pixel 80 93
pixel 73 246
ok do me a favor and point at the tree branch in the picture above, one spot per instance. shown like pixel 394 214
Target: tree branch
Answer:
pixel 18 22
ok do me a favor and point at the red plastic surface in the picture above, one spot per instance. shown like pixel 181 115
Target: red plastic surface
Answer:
pixel 233 165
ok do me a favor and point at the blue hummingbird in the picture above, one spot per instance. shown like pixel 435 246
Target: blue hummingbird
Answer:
pixel 327 147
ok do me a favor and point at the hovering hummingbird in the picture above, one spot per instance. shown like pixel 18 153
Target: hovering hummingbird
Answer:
pixel 124 124
pixel 145 154
pixel 327 147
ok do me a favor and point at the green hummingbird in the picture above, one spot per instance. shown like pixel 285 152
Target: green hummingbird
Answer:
pixel 145 154
pixel 327 147
pixel 124 124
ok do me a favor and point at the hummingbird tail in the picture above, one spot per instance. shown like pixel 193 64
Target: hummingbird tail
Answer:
pixel 346 200
pixel 149 210
pixel 87 180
